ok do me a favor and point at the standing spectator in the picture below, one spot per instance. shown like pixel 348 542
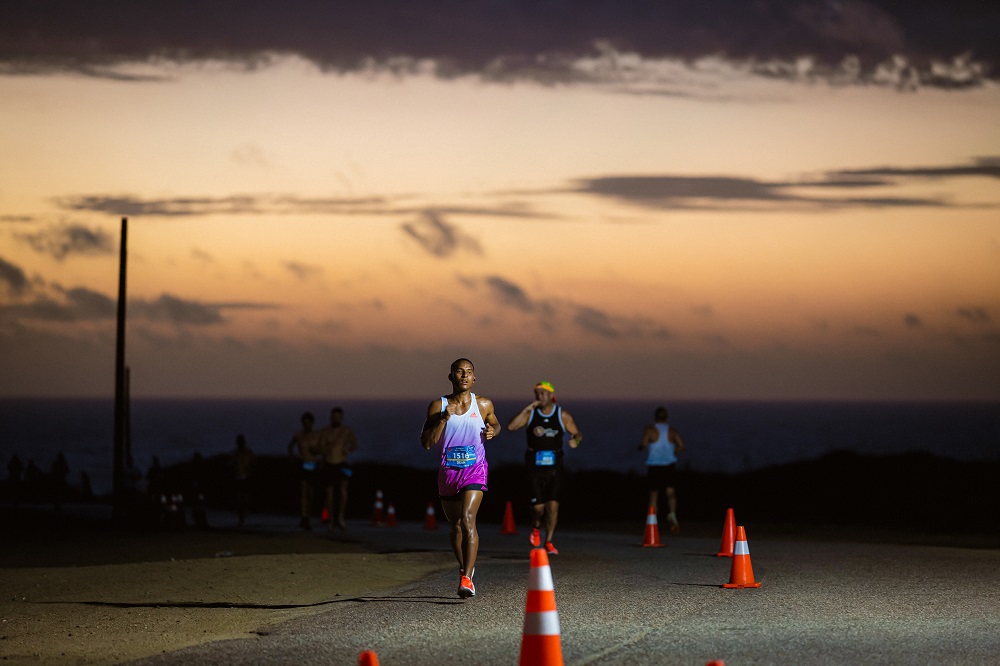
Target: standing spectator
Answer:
pixel 58 472
pixel 15 473
pixel 242 461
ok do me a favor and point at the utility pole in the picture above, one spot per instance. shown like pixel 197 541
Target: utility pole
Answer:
pixel 121 392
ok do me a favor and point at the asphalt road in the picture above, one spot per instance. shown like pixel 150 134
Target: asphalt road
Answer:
pixel 820 603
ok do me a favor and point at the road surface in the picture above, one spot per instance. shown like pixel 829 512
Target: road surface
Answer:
pixel 819 603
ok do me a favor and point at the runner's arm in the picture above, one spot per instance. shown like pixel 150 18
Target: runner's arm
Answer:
pixel 574 433
pixel 433 425
pixel 522 417
pixel 490 417
pixel 649 435
pixel 675 437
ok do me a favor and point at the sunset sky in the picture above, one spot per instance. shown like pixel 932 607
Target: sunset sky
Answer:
pixel 716 199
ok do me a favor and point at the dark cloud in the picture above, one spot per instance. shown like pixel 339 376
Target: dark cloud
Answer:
pixel 13 277
pixel 975 314
pixel 922 42
pixel 706 311
pixel 176 310
pixel 714 192
pixel 438 237
pixel 549 312
pixel 718 192
pixel 598 323
pixel 508 293
pixel 429 227
pixel 302 271
pixel 282 204
pixel 202 255
pixel 53 302
pixel 91 304
pixel 229 205
pixel 77 304
pixel 60 241
pixel 987 167
pixel 716 340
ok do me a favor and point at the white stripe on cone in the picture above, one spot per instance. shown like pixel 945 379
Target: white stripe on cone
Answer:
pixel 540 579
pixel 544 623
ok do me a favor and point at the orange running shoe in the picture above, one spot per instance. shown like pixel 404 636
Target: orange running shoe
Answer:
pixel 466 588
pixel 536 538
pixel 550 548
pixel 675 527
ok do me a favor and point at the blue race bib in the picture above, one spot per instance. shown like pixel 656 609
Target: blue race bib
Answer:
pixel 460 457
pixel 545 458
pixel 309 465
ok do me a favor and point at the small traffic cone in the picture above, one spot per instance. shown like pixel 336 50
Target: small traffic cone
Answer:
pixel 741 574
pixel 728 535
pixel 540 641
pixel 430 522
pixel 508 520
pixel 652 538
pixel 324 516
pixel 377 513
pixel 390 518
pixel 368 658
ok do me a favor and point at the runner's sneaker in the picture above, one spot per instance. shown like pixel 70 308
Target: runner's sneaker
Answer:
pixel 536 538
pixel 550 548
pixel 675 527
pixel 466 588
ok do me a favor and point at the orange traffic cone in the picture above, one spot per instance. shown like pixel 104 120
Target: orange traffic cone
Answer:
pixel 728 535
pixel 508 520
pixel 377 513
pixel 741 574
pixel 368 658
pixel 652 538
pixel 430 522
pixel 390 518
pixel 540 642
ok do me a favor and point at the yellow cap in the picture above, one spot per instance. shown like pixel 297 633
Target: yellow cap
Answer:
pixel 546 386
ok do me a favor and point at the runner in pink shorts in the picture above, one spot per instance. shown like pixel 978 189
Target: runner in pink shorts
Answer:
pixel 459 425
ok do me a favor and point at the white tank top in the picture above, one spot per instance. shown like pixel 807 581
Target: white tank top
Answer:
pixel 661 452
pixel 466 432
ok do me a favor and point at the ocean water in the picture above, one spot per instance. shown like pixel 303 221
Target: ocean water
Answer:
pixel 720 436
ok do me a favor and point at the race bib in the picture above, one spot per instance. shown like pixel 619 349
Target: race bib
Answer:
pixel 309 465
pixel 545 458
pixel 460 457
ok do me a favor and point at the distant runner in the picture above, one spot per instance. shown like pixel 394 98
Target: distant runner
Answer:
pixel 305 448
pixel 337 441
pixel 662 443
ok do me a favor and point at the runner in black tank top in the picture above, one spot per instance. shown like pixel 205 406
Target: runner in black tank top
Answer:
pixel 547 425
